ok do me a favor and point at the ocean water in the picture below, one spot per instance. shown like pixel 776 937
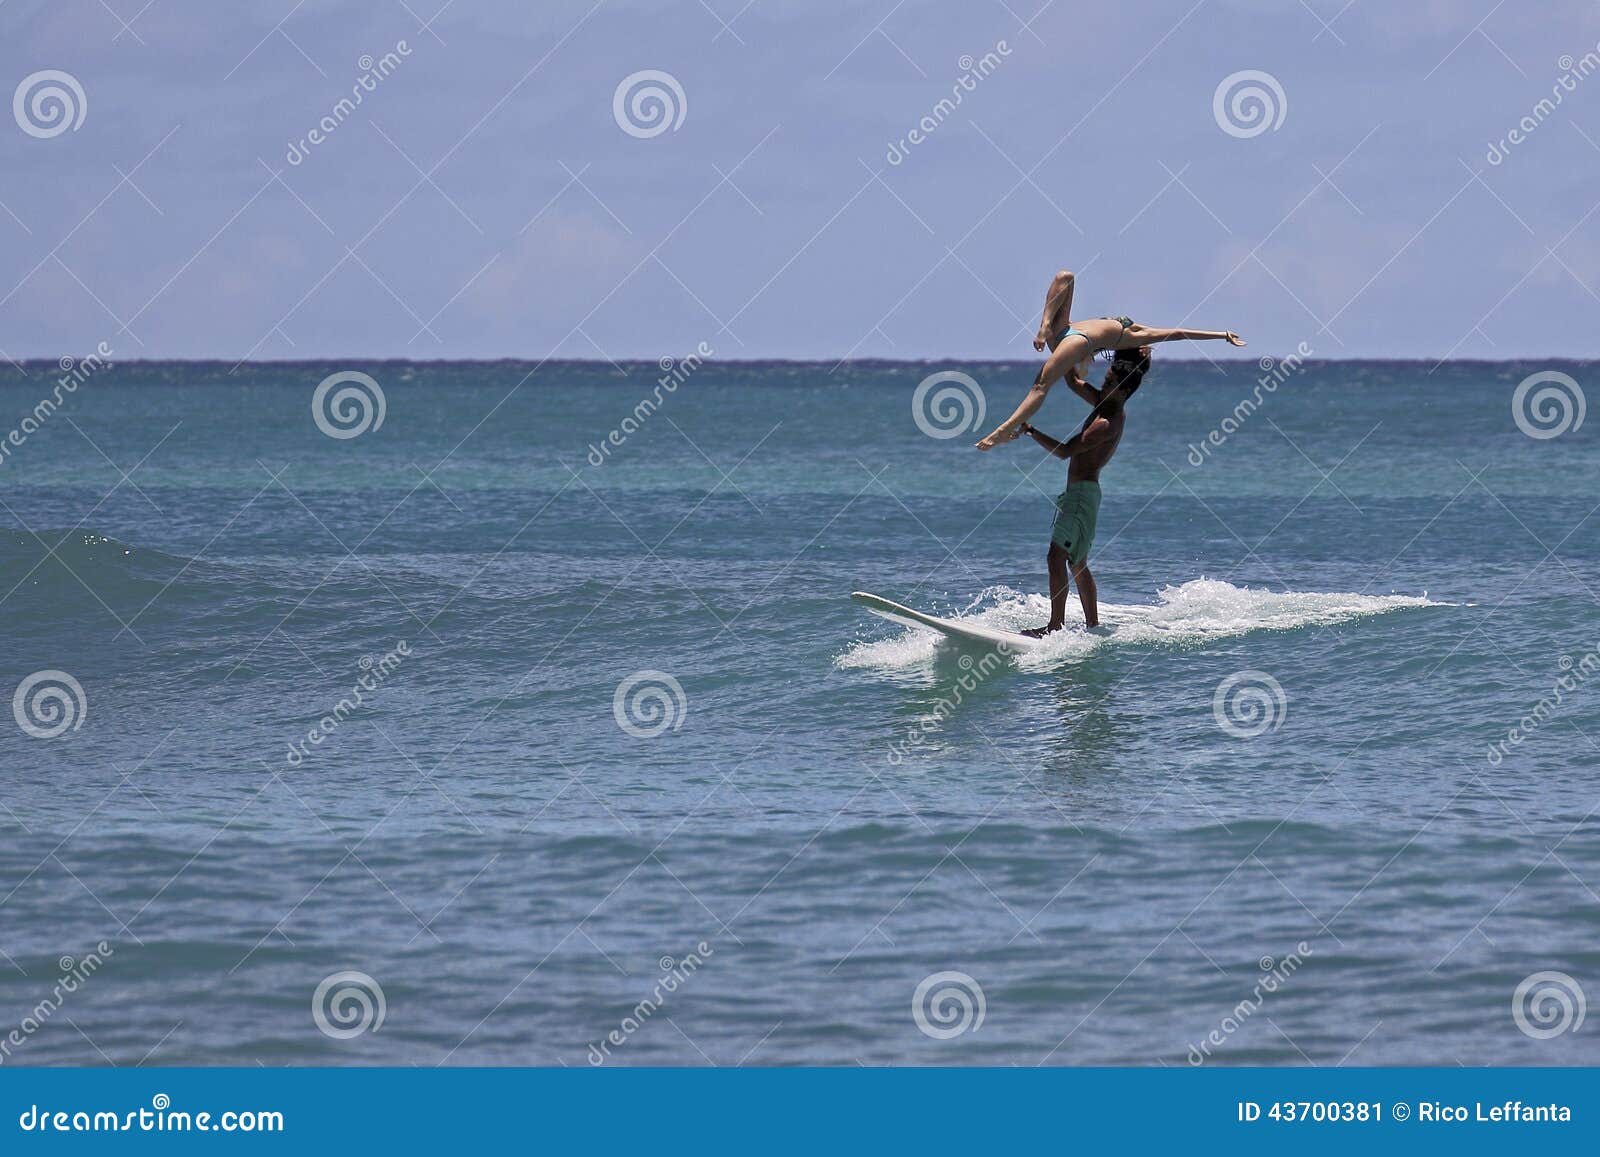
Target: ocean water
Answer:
pixel 628 760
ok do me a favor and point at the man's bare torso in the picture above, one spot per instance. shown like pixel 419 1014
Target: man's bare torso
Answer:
pixel 1087 463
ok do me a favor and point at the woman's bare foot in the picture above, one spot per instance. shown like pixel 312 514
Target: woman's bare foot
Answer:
pixel 1041 632
pixel 1001 434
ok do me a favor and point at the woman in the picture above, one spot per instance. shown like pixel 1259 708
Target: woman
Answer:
pixel 1077 341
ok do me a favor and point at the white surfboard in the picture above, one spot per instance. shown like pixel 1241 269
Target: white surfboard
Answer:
pixel 970 633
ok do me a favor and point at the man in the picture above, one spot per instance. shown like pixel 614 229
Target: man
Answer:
pixel 1078 507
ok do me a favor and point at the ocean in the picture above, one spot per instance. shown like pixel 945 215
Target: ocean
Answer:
pixel 529 722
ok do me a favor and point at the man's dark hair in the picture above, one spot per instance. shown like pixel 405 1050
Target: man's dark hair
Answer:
pixel 1130 367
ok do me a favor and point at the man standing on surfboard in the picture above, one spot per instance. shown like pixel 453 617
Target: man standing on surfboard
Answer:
pixel 1078 507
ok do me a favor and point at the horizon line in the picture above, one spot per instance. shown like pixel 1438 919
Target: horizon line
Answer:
pixel 713 360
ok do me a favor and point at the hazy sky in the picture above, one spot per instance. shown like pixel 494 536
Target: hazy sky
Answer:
pixel 485 200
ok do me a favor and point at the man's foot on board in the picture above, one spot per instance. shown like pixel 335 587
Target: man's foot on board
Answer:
pixel 1041 632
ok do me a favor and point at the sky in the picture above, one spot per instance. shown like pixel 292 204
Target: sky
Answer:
pixel 498 195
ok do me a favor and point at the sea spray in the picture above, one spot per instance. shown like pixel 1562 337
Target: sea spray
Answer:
pixel 1189 613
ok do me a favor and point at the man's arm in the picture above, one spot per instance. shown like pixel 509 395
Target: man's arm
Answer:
pixel 1079 385
pixel 1091 435
pixel 1059 449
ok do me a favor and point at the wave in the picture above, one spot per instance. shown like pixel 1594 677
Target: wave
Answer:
pixel 37 557
pixel 1190 614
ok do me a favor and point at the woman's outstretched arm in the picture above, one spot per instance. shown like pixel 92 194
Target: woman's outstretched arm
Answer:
pixel 1137 335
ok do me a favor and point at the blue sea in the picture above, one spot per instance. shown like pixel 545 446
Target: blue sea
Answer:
pixel 534 725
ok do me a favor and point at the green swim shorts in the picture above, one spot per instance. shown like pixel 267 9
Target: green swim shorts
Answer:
pixel 1077 511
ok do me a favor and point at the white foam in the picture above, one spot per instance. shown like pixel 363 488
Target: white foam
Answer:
pixel 1186 615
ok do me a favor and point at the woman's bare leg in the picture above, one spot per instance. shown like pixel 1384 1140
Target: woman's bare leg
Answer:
pixel 1066 354
pixel 1078 348
pixel 1057 309
pixel 1137 335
